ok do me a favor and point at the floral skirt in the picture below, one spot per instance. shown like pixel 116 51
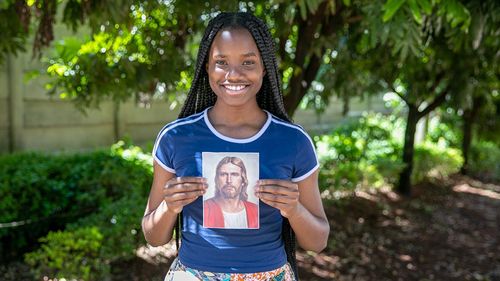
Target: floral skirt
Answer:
pixel 180 272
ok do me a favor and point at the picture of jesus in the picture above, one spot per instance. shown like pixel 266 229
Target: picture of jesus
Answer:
pixel 230 206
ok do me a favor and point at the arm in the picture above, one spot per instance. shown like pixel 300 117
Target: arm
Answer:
pixel 301 204
pixel 167 198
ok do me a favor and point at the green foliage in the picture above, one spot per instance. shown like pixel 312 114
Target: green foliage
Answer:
pixel 444 132
pixel 435 160
pixel 110 233
pixel 12 27
pixel 367 153
pixel 360 154
pixel 71 255
pixel 484 161
pixel 119 223
pixel 42 192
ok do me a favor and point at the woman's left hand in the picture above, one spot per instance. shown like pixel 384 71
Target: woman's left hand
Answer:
pixel 280 194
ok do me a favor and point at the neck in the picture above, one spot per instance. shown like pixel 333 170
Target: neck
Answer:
pixel 237 115
pixel 237 122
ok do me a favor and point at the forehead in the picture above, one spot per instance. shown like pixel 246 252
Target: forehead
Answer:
pixel 229 167
pixel 233 41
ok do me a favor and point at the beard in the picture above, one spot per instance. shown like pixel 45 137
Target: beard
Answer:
pixel 229 191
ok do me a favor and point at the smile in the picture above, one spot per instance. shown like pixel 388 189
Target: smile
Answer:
pixel 235 88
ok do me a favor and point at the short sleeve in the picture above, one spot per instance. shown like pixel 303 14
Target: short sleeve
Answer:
pixel 163 151
pixel 306 160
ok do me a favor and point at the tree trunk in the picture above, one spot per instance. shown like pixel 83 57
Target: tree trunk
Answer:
pixel 469 118
pixel 467 137
pixel 404 185
pixel 307 61
pixel 346 106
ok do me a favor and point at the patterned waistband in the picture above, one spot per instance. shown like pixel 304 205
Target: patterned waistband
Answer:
pixel 180 272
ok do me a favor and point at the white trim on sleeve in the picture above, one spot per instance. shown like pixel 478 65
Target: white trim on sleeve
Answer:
pixel 306 174
pixel 165 167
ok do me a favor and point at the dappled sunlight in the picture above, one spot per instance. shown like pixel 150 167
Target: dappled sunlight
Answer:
pixel 443 232
pixel 466 188
pixel 157 255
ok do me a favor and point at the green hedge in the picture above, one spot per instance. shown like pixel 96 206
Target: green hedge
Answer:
pixel 46 192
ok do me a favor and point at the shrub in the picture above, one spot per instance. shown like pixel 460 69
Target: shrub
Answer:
pixel 362 153
pixel 70 255
pixel 434 160
pixel 46 192
pixel 484 161
pixel 367 153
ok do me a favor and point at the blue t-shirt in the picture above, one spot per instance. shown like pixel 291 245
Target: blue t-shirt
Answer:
pixel 285 152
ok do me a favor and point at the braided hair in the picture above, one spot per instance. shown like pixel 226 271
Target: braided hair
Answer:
pixel 269 97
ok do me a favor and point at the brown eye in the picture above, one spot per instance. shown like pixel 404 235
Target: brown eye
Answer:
pixel 220 62
pixel 248 62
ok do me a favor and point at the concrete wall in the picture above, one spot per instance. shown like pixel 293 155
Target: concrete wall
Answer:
pixel 31 120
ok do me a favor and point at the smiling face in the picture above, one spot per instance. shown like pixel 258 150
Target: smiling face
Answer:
pixel 234 67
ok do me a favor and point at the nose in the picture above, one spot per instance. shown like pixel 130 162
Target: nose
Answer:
pixel 232 73
pixel 229 179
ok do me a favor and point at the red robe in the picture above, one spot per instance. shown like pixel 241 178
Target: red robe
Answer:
pixel 213 216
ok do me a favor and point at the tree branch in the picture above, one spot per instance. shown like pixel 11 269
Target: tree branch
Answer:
pixel 435 103
pixel 439 99
pixel 397 93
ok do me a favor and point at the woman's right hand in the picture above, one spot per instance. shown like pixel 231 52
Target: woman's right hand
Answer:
pixel 180 191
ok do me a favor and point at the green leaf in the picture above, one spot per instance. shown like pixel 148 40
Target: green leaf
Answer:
pixel 390 8
pixel 415 11
pixel 303 9
pixel 426 6
pixel 347 2
pixel 30 75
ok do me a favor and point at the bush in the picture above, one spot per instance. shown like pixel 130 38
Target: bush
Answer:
pixel 434 160
pixel 70 255
pixel 484 161
pixel 364 153
pixel 46 192
pixel 367 153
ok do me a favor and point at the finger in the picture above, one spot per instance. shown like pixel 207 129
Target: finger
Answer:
pixel 277 205
pixel 184 187
pixel 186 201
pixel 180 203
pixel 188 179
pixel 182 196
pixel 277 190
pixel 284 183
pixel 270 197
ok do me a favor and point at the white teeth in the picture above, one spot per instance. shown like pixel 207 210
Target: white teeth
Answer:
pixel 235 87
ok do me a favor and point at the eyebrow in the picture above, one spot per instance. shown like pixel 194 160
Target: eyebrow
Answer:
pixel 250 54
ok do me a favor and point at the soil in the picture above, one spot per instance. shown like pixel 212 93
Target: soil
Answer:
pixel 447 230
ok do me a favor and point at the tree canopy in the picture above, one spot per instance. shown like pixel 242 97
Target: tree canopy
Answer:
pixel 426 51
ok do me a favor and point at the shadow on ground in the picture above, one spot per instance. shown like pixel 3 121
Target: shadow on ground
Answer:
pixel 448 230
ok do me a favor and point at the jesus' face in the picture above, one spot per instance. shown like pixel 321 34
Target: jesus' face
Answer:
pixel 229 181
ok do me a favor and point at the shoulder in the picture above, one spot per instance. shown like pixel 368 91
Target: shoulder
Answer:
pixel 181 122
pixel 291 130
pixel 210 203
pixel 287 126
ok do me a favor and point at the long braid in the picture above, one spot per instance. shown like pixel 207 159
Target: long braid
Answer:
pixel 269 97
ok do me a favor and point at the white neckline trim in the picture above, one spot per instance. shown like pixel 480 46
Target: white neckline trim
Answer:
pixel 229 139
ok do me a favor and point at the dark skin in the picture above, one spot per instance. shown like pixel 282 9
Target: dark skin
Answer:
pixel 236 72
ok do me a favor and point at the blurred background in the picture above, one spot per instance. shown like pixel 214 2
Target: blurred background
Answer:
pixel 401 98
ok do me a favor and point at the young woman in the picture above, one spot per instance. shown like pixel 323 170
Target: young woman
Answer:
pixel 234 105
